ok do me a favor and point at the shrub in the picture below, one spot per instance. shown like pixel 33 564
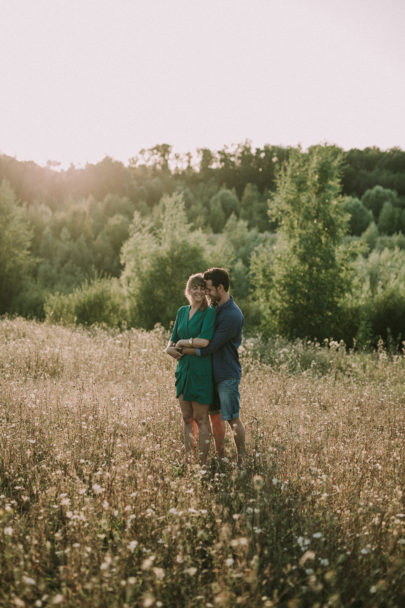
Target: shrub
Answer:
pixel 377 303
pixel 98 302
pixel 386 316
pixel 298 356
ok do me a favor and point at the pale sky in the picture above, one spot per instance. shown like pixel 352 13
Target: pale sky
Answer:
pixel 83 79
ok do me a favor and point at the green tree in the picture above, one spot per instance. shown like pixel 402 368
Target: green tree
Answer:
pixel 15 256
pixel 389 219
pixel 222 205
pixel 108 245
pixel 374 199
pixel 310 273
pixel 370 236
pixel 360 217
pixel 253 208
pixel 157 262
pixel 216 216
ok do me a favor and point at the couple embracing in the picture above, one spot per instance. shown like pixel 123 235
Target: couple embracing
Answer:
pixel 205 341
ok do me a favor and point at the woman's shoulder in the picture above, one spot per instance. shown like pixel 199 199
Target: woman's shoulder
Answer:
pixel 183 309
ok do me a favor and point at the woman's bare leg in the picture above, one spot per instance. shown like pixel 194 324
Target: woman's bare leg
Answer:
pixel 200 415
pixel 187 413
pixel 195 434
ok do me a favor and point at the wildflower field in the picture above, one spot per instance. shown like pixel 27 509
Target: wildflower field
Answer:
pixel 97 510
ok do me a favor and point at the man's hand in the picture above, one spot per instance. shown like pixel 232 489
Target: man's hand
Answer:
pixel 174 352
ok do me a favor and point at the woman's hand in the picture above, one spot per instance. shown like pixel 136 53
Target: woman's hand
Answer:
pixel 174 352
pixel 182 343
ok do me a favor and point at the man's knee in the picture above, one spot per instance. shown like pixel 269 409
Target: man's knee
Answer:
pixel 234 422
pixel 237 426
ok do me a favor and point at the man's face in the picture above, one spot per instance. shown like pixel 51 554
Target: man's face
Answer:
pixel 212 292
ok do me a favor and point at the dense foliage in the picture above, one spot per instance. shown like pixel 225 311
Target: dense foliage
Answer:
pixel 65 233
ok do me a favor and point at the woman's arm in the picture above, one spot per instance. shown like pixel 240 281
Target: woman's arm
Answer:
pixel 192 343
pixel 205 335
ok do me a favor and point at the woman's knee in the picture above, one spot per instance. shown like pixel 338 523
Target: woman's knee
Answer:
pixel 187 419
pixel 201 418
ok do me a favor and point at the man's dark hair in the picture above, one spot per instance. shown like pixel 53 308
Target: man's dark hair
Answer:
pixel 218 276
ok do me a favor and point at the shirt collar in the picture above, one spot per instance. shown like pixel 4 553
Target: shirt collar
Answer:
pixel 225 304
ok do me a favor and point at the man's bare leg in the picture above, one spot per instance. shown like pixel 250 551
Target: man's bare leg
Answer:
pixel 218 431
pixel 238 431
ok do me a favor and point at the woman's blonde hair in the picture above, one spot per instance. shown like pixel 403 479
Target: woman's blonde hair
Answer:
pixel 196 280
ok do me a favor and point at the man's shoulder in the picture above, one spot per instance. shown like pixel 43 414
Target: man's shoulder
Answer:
pixel 232 310
pixel 235 307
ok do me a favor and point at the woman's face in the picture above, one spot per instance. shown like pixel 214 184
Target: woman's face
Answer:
pixel 197 293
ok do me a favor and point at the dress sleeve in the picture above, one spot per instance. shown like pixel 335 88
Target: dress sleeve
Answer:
pixel 208 325
pixel 175 336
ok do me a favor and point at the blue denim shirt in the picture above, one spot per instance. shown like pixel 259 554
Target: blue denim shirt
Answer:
pixel 224 345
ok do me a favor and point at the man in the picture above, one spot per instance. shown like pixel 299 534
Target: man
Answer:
pixel 226 365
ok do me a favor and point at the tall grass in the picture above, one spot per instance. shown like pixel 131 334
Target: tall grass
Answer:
pixel 97 510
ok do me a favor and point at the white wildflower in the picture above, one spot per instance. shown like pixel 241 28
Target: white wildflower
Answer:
pixel 191 571
pixel 159 573
pixel 148 562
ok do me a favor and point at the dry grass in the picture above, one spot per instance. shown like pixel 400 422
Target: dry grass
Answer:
pixel 96 510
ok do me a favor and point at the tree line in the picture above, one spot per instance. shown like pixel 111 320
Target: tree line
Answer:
pixel 113 244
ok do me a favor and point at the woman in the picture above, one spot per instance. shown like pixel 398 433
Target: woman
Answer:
pixel 194 326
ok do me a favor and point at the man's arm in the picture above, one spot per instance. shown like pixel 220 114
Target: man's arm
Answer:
pixel 187 350
pixel 223 334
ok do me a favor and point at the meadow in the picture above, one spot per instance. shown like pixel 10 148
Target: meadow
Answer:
pixel 97 510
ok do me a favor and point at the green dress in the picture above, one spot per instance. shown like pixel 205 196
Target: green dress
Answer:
pixel 194 374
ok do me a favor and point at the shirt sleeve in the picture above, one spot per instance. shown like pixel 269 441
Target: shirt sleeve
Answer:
pixel 225 331
pixel 175 336
pixel 208 325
